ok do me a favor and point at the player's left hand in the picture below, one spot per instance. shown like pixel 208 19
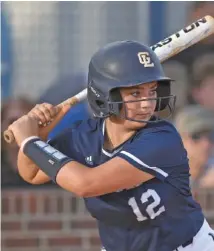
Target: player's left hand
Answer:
pixel 48 116
pixel 25 127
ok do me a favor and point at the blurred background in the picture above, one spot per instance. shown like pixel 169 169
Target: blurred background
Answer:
pixel 45 51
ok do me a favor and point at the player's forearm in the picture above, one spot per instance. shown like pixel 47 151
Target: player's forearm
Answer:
pixel 103 179
pixel 73 177
pixel 29 171
pixel 78 178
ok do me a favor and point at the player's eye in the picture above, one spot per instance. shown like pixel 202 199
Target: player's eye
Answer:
pixel 153 92
pixel 135 94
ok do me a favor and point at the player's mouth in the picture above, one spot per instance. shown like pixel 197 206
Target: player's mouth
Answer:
pixel 144 115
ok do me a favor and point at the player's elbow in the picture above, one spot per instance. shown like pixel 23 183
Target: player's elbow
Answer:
pixel 88 188
pixel 85 192
pixel 82 188
pixel 81 192
pixel 77 184
pixel 79 189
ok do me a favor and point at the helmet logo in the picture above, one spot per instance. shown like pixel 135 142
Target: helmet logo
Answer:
pixel 145 59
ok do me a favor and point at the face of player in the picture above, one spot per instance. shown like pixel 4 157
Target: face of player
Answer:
pixel 139 110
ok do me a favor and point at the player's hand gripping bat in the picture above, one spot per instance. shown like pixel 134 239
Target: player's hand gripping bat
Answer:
pixel 164 49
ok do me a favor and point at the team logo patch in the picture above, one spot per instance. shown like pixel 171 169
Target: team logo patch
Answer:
pixel 145 59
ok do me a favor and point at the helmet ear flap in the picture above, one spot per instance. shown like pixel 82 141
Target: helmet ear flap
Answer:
pixel 115 96
pixel 98 102
pixel 163 93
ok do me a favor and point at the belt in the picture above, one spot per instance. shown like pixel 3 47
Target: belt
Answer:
pixel 187 243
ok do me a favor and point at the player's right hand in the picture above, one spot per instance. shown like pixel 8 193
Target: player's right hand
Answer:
pixel 45 113
pixel 48 117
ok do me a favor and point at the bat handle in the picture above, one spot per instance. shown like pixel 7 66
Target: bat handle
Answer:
pixel 8 136
pixel 70 101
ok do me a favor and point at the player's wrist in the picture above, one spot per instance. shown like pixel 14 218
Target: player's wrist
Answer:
pixel 46 157
pixel 28 139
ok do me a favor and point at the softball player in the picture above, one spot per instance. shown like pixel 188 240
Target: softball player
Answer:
pixel 129 165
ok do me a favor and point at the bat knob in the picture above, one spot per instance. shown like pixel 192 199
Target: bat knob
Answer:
pixel 8 136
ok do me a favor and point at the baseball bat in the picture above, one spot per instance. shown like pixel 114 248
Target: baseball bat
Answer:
pixel 164 49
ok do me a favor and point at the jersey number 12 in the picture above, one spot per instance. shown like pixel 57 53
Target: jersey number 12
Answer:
pixel 150 208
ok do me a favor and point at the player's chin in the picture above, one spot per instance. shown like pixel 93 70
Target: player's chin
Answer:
pixel 140 123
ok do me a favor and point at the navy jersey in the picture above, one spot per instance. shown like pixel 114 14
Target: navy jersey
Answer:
pixel 159 214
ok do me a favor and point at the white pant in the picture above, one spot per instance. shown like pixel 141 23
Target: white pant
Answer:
pixel 202 241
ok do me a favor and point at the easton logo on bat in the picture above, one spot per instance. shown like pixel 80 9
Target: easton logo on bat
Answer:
pixel 177 35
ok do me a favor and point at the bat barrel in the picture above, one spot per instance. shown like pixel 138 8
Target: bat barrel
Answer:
pixel 184 38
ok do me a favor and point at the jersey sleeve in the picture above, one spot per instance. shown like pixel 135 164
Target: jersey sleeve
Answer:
pixel 65 141
pixel 159 153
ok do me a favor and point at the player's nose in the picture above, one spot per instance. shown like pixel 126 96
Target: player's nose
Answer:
pixel 146 104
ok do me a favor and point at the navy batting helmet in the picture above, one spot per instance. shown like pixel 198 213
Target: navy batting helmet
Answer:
pixel 124 64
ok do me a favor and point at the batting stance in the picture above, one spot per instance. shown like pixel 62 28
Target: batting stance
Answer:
pixel 129 165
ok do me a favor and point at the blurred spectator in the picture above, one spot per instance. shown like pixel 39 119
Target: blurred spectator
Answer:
pixel 196 126
pixel 61 90
pixel 202 91
pixel 6 57
pixel 11 111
